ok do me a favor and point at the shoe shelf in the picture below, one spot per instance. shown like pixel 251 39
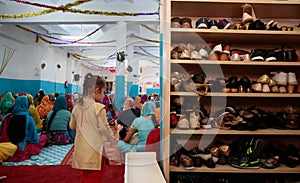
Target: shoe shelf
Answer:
pixel 238 94
pixel 272 9
pixel 285 12
pixel 229 169
pixel 214 131
pixel 214 62
pixel 235 36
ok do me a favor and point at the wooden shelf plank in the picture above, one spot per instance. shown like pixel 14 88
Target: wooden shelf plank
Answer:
pixel 239 63
pixel 179 35
pixel 214 131
pixel 249 1
pixel 229 169
pixel 232 8
pixel 287 95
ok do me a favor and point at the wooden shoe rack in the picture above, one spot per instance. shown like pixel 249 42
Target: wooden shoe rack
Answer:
pixel 285 12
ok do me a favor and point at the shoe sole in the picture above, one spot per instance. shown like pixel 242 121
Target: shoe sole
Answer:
pixel 245 167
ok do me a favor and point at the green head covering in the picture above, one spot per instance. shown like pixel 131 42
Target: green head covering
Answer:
pixel 6 103
pixel 60 103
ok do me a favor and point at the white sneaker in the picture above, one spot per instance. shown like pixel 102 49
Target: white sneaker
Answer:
pixel 292 79
pixel 183 122
pixel 194 121
pixel 203 53
pixel 195 55
pixel 281 78
pixel 217 48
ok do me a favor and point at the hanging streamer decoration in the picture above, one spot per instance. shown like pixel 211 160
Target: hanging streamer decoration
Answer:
pixel 7 56
pixel 40 36
pixel 67 8
pixel 38 13
pixel 144 39
pixel 98 68
pixel 85 58
pixel 149 28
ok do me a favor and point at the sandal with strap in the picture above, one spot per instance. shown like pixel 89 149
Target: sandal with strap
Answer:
pixel 271 163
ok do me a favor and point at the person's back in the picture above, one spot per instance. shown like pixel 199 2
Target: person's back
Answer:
pixel 129 113
pixel 144 125
pixel 89 120
pixel 34 113
pixel 58 122
pixel 21 130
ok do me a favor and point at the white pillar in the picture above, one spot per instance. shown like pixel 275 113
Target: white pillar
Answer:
pixel 120 66
pixel 132 79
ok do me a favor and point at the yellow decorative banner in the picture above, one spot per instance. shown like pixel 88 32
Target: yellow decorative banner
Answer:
pixel 67 8
pixel 38 13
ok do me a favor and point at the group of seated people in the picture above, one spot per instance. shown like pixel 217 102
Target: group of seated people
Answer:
pixel 25 128
pixel 139 126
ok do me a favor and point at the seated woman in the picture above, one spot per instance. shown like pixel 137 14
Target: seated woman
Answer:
pixel 129 113
pixel 57 123
pixel 6 104
pixel 45 107
pixel 19 129
pixel 34 113
pixel 143 125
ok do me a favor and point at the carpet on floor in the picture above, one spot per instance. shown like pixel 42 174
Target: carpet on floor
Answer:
pixel 55 173
pixel 62 173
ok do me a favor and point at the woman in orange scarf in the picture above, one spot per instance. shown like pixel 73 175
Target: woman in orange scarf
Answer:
pixel 45 107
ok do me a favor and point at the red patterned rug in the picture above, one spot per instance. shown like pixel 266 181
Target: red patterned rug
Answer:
pixel 62 173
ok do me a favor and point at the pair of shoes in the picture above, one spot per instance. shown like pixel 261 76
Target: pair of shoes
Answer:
pixel 249 157
pixel 234 85
pixel 239 55
pixel 265 84
pixel 286 53
pixel 257 25
pixel 220 52
pixel 177 22
pixel 283 78
pixel 263 55
pixel 205 155
pixel 272 25
pixel 223 24
pixel 204 23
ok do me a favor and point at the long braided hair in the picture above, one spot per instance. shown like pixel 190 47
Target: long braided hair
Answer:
pixel 90 82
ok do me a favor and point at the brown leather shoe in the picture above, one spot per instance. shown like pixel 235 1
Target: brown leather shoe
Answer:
pixel 224 57
pixel 214 56
pixel 186 161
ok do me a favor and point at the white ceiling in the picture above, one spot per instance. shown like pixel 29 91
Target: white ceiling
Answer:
pixel 72 26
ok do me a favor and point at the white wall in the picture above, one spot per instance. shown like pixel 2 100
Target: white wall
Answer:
pixel 26 62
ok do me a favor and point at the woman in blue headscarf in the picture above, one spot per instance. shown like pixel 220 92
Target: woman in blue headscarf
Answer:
pixel 19 128
pixel 57 122
pixel 143 126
